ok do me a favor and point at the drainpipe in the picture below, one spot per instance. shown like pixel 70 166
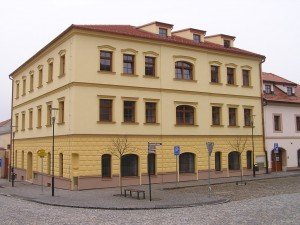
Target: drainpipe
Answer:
pixel 11 126
pixel 263 115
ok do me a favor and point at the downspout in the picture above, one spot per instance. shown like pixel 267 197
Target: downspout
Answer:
pixel 11 126
pixel 263 116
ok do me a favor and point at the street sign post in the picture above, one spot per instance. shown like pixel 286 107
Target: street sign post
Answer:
pixel 151 150
pixel 42 153
pixel 177 153
pixel 209 146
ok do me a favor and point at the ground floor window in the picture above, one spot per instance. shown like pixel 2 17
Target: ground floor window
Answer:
pixel 234 160
pixel 151 161
pixel 249 159
pixel 187 163
pixel 48 163
pixel 218 165
pixel 129 165
pixel 106 165
pixel 61 164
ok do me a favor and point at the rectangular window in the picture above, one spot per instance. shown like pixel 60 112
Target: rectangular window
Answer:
pixel 163 32
pixel 277 122
pixel 232 116
pixel 246 78
pixel 297 123
pixel 196 38
pixel 216 115
pixel 61 108
pixel 31 82
pixel 149 66
pixel 17 122
pixel 24 87
pixel 214 74
pixel 128 64
pixel 247 117
pixel 151 162
pixel 230 76
pixel 23 121
pixel 268 89
pixel 105 61
pixel 226 43
pixel 30 119
pixel 50 72
pixel 150 112
pixel 129 111
pixel 39 117
pixel 106 110
pixel 40 77
pixel 62 69
pixel 289 91
pixel 49 114
pixel 17 90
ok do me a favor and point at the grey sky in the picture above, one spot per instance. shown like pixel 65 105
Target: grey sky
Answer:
pixel 268 27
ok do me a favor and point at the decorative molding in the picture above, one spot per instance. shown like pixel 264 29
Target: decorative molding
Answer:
pixel 50 60
pixel 246 67
pixel 106 96
pixel 231 65
pixel 105 47
pixel 184 57
pixel 128 50
pixel 151 99
pixel 31 72
pixel 130 98
pixel 151 53
pixel 40 67
pixel 62 52
pixel 186 103
pixel 215 63
pixel 61 99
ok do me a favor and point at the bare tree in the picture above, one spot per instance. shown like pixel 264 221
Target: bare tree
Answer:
pixel 239 144
pixel 120 147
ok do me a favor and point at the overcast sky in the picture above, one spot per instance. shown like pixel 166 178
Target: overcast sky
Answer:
pixel 268 27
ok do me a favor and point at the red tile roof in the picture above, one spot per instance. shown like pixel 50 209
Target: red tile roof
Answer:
pixel 276 79
pixel 4 122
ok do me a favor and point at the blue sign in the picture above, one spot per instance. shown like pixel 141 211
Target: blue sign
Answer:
pixel 177 150
pixel 276 148
pixel 0 162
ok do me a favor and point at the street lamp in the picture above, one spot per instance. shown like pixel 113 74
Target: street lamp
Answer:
pixel 252 127
pixel 53 114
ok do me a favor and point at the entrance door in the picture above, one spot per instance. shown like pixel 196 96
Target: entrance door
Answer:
pixel 277 165
pixel 29 166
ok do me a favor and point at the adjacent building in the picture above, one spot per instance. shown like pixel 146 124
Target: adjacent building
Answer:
pixel 282 122
pixel 5 134
pixel 145 84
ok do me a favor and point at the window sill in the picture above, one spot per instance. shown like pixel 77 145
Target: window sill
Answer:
pixel 30 91
pixel 61 123
pixel 233 126
pixel 129 75
pixel 40 86
pixel 215 83
pixel 130 123
pixel 106 122
pixel 153 124
pixel 247 126
pixel 30 128
pixel 185 80
pixel 49 82
pixel 243 86
pixel 106 72
pixel 62 75
pixel 232 85
pixel 186 125
pixel 150 77
pixel 48 125
pixel 215 125
pixel 39 127
pixel 277 131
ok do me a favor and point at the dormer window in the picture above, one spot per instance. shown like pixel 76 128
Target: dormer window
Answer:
pixel 163 32
pixel 289 91
pixel 268 89
pixel 226 43
pixel 197 38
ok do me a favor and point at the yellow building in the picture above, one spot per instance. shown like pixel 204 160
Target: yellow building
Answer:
pixel 146 83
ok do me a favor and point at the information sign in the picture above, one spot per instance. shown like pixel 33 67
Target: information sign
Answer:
pixel 177 150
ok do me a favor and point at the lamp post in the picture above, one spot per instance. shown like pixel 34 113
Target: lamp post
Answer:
pixel 252 137
pixel 53 112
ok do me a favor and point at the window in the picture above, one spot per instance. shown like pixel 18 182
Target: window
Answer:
pixel 150 66
pixel 234 160
pixel 246 78
pixel 249 159
pixel 247 117
pixel 31 82
pixel 106 165
pixel 129 111
pixel 17 90
pixel 297 123
pixel 183 70
pixel 197 38
pixel 150 112
pixel 230 76
pixel 61 109
pixel 232 116
pixel 289 91
pixel 39 117
pixel 61 165
pixel 62 68
pixel 24 87
pixel 50 72
pixel 105 61
pixel 216 115
pixel 214 70
pixel 30 118
pixel 187 163
pixel 23 121
pixel 268 89
pixel 49 115
pixel 129 165
pixel 48 163
pixel 218 161
pixel 17 122
pixel 106 110
pixel 128 64
pixel 163 32
pixel 151 163
pixel 22 160
pixel 226 43
pixel 185 115
pixel 40 77
pixel 277 122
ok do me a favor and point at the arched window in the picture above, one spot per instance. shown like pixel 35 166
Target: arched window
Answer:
pixel 218 161
pixel 48 163
pixel 61 165
pixel 234 160
pixel 187 163
pixel 183 70
pixel 249 159
pixel 151 161
pixel 185 115
pixel 106 165
pixel 129 165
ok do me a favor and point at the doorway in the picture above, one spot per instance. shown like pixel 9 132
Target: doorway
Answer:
pixel 29 166
pixel 278 160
